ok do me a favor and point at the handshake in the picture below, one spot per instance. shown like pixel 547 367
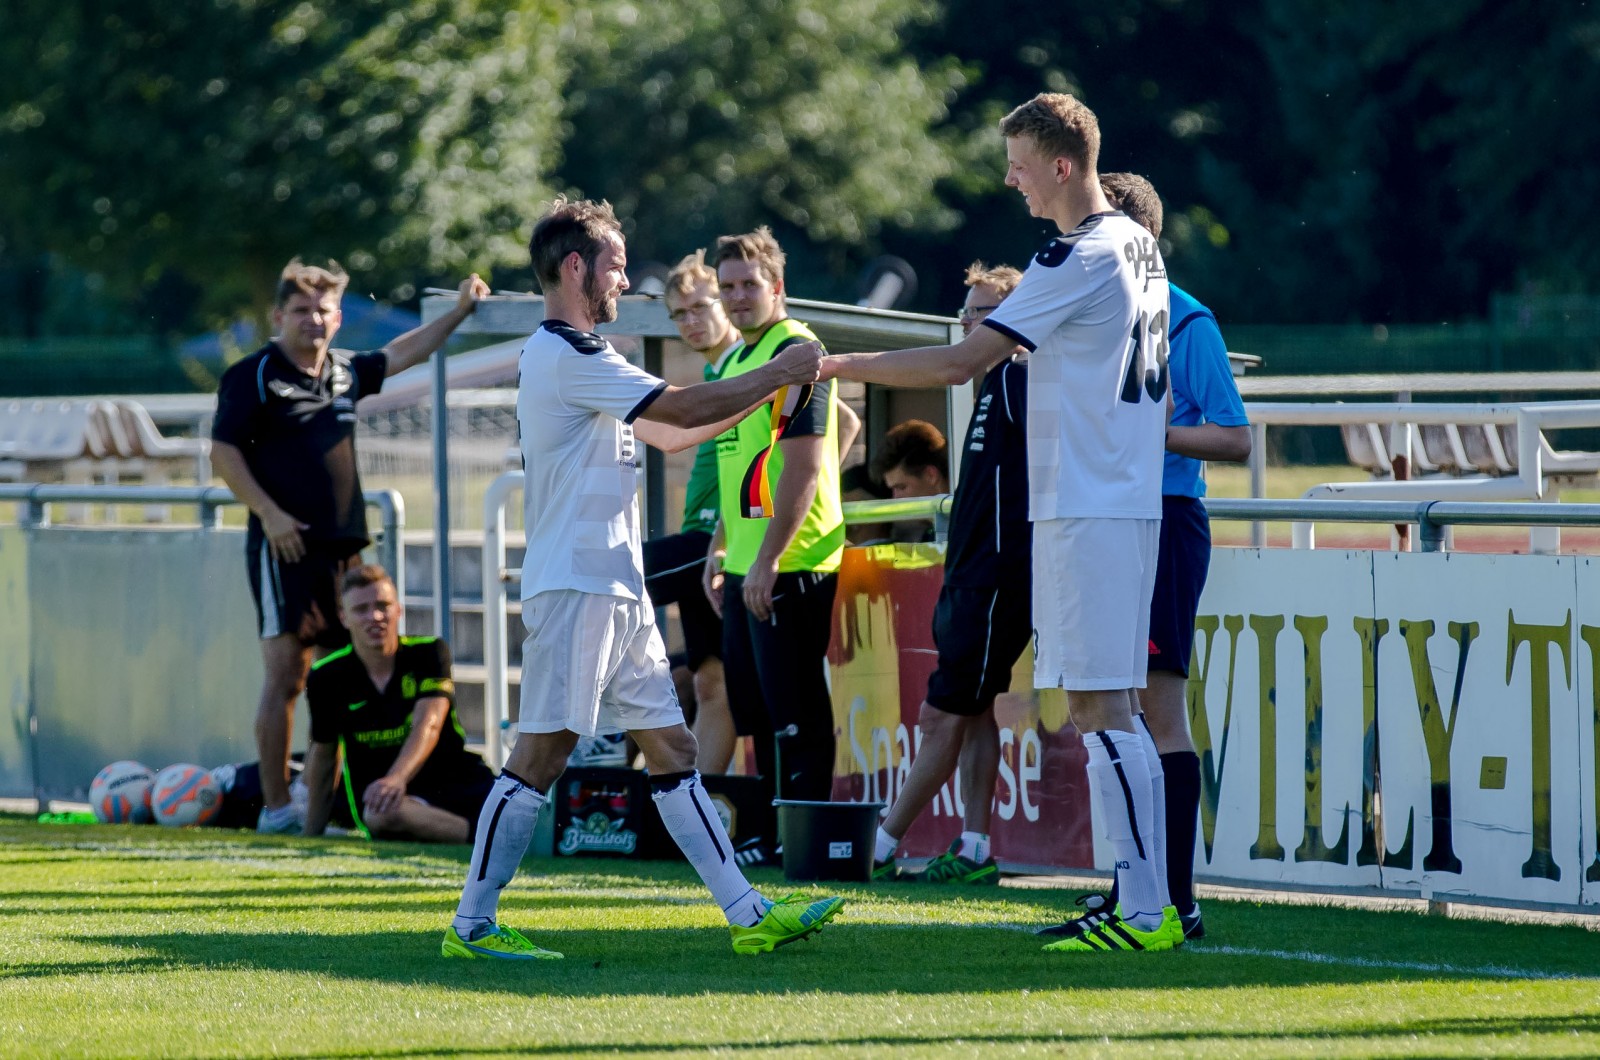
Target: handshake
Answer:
pixel 803 362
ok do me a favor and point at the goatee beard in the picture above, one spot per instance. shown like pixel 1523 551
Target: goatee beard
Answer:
pixel 602 308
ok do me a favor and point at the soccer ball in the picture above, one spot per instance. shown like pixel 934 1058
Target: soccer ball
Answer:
pixel 185 795
pixel 120 793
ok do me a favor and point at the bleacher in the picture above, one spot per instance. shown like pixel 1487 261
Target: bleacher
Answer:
pixel 93 440
pixel 1435 449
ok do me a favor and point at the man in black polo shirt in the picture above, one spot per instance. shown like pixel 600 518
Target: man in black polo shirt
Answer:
pixel 983 619
pixel 386 702
pixel 284 442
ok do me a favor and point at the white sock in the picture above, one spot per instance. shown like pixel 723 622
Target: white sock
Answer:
pixel 505 827
pixel 1117 769
pixel 975 846
pixel 884 846
pixel 694 825
pixel 1158 793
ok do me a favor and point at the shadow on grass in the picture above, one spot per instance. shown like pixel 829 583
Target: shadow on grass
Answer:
pixel 1486 1028
pixel 846 958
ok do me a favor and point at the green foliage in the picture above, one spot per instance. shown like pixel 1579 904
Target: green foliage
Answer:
pixel 134 941
pixel 221 137
pixel 702 119
pixel 1321 163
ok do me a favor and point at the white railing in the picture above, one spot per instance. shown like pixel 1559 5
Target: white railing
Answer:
pixel 1432 517
pixel 1536 462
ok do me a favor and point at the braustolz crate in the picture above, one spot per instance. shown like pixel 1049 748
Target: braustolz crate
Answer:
pixel 607 812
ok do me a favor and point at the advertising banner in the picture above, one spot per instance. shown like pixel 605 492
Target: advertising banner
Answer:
pixel 1421 723
pixel 880 659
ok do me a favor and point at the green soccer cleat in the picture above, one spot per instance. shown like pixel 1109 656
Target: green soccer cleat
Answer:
pixel 886 871
pixel 1114 934
pixel 503 943
pixel 790 918
pixel 1097 909
pixel 951 867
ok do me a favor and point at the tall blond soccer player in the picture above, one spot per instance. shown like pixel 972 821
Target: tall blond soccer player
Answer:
pixel 1092 308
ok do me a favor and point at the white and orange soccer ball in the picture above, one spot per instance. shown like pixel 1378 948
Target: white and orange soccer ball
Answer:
pixel 120 793
pixel 185 795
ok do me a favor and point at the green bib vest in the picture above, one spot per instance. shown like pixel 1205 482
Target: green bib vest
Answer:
pixel 700 501
pixel 819 543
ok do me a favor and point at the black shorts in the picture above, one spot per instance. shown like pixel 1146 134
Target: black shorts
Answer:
pixel 673 566
pixel 1183 557
pixel 464 799
pixel 296 598
pixel 980 634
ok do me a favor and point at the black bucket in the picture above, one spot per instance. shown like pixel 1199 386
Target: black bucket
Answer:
pixel 827 840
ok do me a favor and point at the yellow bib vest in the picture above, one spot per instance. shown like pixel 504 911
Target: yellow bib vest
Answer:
pixel 819 543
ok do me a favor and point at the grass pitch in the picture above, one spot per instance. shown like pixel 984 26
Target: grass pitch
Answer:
pixel 138 941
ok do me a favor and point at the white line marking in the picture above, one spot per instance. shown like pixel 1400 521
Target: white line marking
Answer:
pixel 1498 971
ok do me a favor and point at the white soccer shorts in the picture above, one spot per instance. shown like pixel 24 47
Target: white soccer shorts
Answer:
pixel 593 665
pixel 1092 584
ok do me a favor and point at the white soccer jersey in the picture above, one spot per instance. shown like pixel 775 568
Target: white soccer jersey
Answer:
pixel 576 399
pixel 1092 307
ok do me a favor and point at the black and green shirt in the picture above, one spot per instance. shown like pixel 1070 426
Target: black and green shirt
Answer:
pixel 374 725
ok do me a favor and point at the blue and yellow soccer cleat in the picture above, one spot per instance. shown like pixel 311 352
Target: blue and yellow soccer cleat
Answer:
pixel 951 867
pixel 790 918
pixel 1114 934
pixel 503 943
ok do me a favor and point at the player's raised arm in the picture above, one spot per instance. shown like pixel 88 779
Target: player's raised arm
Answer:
pixel 924 366
pixel 706 403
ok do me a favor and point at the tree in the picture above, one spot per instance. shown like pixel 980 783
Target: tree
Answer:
pixel 714 117
pixel 216 139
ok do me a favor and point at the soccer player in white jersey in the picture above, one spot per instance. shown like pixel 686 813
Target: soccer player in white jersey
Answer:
pixel 1092 308
pixel 593 661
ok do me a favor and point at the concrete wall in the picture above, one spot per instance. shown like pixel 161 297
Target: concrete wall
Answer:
pixel 141 644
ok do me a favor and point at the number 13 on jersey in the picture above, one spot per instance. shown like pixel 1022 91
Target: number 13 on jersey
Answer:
pixel 1147 359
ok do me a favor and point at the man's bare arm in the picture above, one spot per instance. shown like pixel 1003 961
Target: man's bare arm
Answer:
pixel 416 345
pixel 849 426
pixel 670 439
pixel 1210 441
pixel 322 764
pixel 710 403
pixel 281 528
pixel 427 721
pixel 924 366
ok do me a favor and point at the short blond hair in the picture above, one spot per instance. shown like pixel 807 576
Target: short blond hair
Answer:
pixel 689 272
pixel 1002 278
pixel 1136 197
pixel 1059 125
pixel 363 576
pixel 313 280
pixel 758 246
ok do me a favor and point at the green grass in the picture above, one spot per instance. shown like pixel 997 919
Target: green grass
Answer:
pixel 140 941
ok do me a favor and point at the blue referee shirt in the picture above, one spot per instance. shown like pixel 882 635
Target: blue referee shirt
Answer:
pixel 1203 390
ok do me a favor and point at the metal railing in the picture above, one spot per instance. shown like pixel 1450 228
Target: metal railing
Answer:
pixel 1536 460
pixel 36 498
pixel 1431 517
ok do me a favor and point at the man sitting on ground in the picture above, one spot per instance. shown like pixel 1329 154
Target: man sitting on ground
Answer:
pixel 386 704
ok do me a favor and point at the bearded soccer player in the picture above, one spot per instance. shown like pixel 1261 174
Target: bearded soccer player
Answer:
pixel 1092 308
pixel 593 661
